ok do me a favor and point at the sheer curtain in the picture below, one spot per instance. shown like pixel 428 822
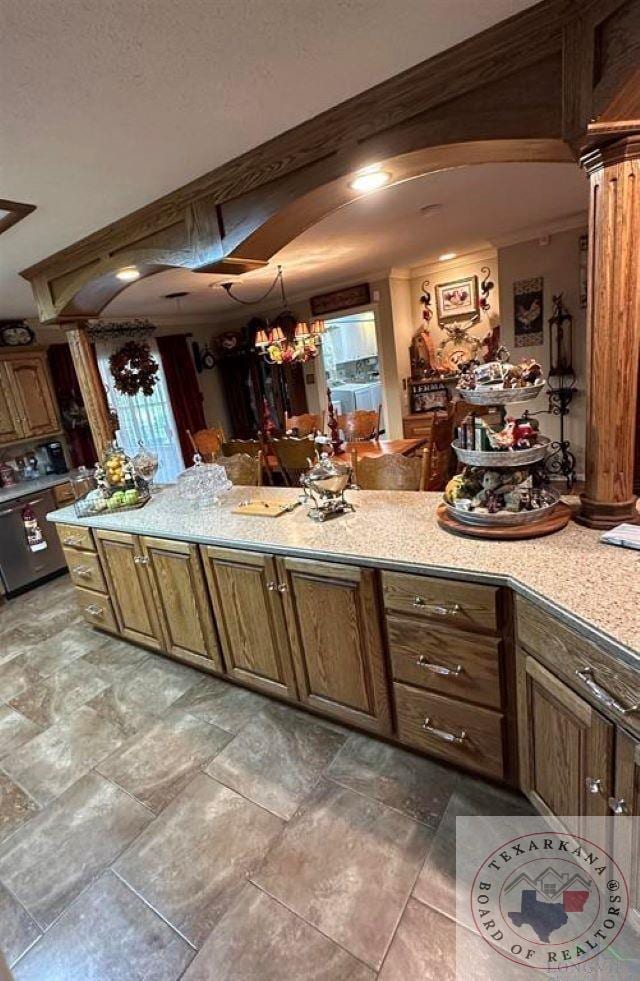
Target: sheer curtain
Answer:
pixel 144 419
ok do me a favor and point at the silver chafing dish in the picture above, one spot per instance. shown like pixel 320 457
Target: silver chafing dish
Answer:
pixel 325 484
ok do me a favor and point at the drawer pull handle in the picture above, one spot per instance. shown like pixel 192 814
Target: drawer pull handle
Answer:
pixel 618 805
pixel 439 668
pixel 95 611
pixel 82 572
pixel 442 611
pixel 602 695
pixel 593 785
pixel 72 541
pixel 141 560
pixel 446 737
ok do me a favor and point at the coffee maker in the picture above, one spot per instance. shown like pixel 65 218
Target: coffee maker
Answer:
pixel 56 462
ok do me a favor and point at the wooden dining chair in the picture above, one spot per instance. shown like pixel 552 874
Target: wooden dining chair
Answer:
pixel 392 471
pixel 294 455
pixel 441 458
pixel 243 470
pixel 306 424
pixel 360 425
pixel 252 447
pixel 207 442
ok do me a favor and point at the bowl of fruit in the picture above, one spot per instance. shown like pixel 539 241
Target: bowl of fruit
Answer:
pixel 117 486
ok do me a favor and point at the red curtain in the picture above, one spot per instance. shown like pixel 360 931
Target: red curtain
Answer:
pixel 74 420
pixel 184 392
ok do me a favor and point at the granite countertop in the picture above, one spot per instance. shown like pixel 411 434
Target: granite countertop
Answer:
pixel 595 588
pixel 28 487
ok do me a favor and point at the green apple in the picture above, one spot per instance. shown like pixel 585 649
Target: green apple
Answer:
pixel 131 496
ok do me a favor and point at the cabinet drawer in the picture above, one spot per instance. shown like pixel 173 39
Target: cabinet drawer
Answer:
pixel 84 569
pixel 458 604
pixel 414 428
pixel 96 609
pixel 603 679
pixel 72 536
pixel 463 734
pixel 444 660
pixel 63 494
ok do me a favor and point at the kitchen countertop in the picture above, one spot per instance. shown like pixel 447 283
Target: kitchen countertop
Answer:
pixel 26 488
pixel 594 588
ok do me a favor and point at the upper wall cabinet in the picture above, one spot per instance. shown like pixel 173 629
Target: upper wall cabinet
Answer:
pixel 27 404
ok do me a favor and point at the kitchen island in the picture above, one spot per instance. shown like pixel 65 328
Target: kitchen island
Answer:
pixel 494 656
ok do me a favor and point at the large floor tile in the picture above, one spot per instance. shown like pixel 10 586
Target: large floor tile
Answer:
pixel 156 765
pixel 116 658
pixel 221 703
pixel 191 863
pixel 16 807
pixel 346 864
pixel 50 655
pixel 419 787
pixel 17 674
pixel 17 929
pixel 157 682
pixel 259 940
pixel 48 764
pixel 436 884
pixel 277 758
pixel 54 856
pixel 14 730
pixel 123 711
pixel 13 640
pixel 108 934
pixel 60 694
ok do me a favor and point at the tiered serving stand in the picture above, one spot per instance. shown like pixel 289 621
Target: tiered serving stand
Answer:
pixel 504 524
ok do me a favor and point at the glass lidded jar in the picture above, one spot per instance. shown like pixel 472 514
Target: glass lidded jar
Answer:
pixel 203 484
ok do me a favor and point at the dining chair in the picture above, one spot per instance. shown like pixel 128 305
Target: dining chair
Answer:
pixel 252 447
pixel 243 470
pixel 392 471
pixel 441 464
pixel 305 424
pixel 294 455
pixel 207 442
pixel 360 424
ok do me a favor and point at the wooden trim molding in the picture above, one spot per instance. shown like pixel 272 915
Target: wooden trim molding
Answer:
pixel 17 211
pixel 91 388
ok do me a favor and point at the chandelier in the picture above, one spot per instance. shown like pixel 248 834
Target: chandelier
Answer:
pixel 273 344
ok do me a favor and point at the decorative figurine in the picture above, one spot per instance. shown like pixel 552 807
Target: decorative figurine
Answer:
pixel 336 442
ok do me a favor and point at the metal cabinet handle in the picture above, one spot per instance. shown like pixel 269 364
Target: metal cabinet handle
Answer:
pixel 82 571
pixel 272 586
pixel 610 701
pixel 439 668
pixel 446 737
pixel 419 603
pixel 95 611
pixel 141 560
pixel 281 587
pixel 593 785
pixel 71 541
pixel 618 805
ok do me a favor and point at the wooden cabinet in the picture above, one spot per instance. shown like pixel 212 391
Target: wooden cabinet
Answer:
pixel 249 616
pixel 566 746
pixel 625 805
pixel 29 390
pixel 181 602
pixel 129 587
pixel 334 625
pixel 10 426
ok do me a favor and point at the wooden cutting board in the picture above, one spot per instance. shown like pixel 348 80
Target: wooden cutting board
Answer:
pixel 263 509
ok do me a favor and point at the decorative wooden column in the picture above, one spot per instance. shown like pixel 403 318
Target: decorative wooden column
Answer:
pixel 613 326
pixel 91 387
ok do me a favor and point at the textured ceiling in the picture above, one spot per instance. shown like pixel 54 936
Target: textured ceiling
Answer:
pixel 107 104
pixel 478 207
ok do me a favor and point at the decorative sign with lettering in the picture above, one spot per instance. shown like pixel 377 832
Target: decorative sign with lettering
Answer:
pixel 345 299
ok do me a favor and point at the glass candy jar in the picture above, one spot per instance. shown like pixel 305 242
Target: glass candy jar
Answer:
pixel 145 463
pixel 202 484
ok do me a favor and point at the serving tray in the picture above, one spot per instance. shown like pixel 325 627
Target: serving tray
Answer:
pixel 485 395
pixel 503 458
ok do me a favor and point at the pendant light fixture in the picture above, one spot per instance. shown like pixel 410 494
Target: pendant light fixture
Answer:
pixel 275 344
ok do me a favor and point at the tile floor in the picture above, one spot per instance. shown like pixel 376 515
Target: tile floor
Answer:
pixel 156 823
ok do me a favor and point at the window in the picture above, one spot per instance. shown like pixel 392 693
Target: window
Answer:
pixel 146 419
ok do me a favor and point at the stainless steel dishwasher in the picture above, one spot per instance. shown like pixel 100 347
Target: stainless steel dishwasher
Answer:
pixel 20 565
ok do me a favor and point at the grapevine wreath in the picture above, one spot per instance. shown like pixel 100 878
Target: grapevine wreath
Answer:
pixel 134 369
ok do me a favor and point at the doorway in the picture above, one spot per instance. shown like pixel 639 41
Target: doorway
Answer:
pixel 351 363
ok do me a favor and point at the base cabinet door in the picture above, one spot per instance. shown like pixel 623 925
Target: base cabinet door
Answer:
pixel 566 746
pixel 334 625
pixel 181 600
pixel 250 620
pixel 625 805
pixel 129 587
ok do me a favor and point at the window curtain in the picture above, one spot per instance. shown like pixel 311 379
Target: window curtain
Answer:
pixel 146 419
pixel 184 392
pixel 69 398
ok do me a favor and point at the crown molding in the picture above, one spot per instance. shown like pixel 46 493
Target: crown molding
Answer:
pixel 565 223
pixel 460 261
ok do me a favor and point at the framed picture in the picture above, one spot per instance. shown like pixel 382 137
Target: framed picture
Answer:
pixel 344 299
pixel 457 299
pixel 527 312
pixel 428 395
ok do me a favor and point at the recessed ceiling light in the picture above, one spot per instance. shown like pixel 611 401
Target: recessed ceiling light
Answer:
pixel 370 179
pixel 128 274
pixel 446 256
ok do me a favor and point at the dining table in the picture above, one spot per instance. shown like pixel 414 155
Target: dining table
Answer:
pixel 364 448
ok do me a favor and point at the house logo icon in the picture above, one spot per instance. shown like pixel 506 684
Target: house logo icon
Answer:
pixel 549 901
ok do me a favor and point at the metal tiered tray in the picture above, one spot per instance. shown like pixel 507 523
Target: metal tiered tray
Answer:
pixel 503 519
pixel 485 395
pixel 504 458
